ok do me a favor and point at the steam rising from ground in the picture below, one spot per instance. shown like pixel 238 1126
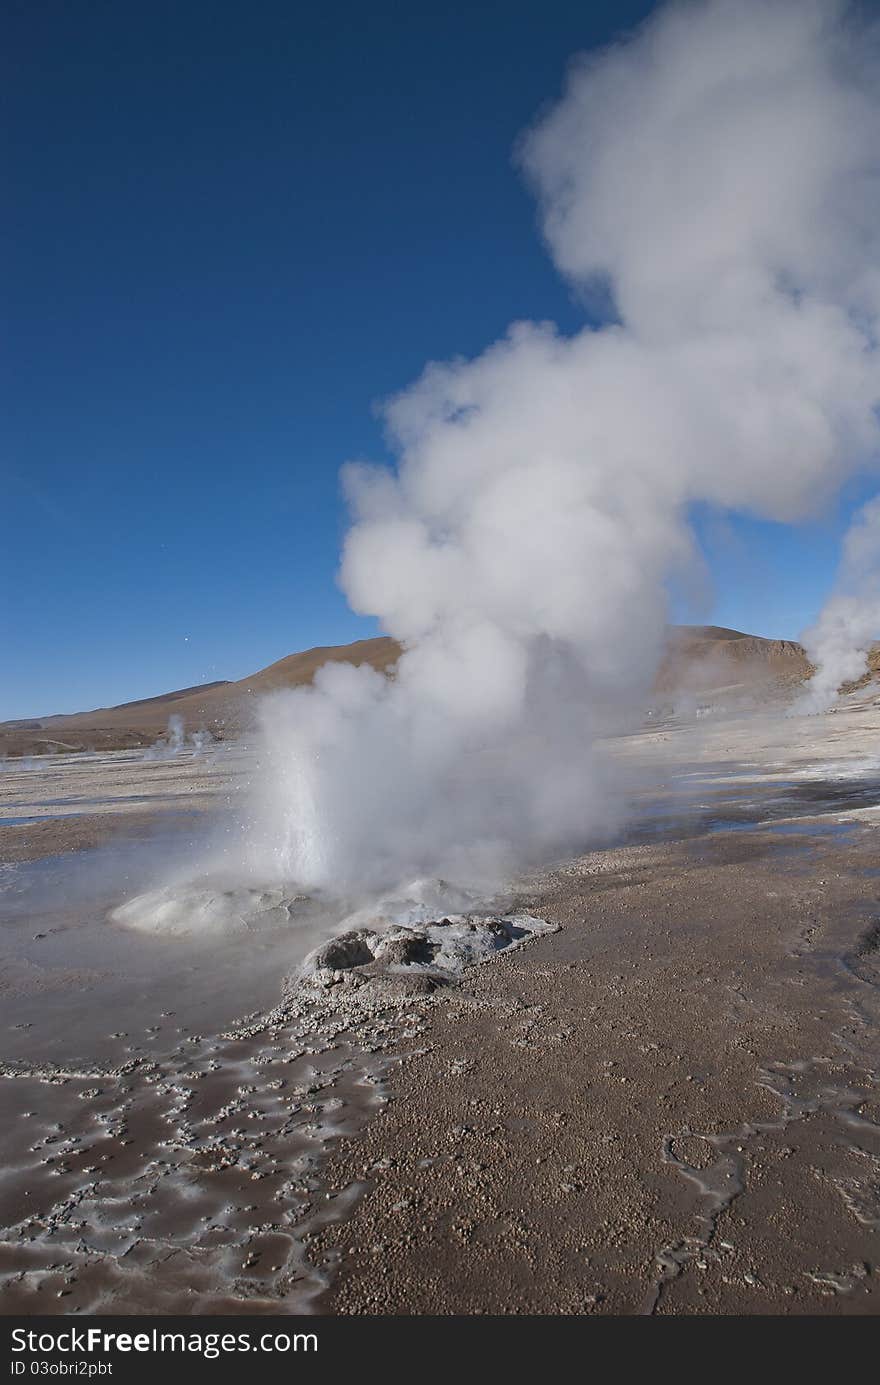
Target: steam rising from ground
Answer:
pixel 175 740
pixel 714 178
pixel 849 622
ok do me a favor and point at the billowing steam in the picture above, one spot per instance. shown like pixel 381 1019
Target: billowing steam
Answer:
pixel 714 179
pixel 849 623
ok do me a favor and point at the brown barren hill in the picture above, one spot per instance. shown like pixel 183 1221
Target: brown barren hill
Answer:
pixel 225 709
pixel 698 657
pixel 706 657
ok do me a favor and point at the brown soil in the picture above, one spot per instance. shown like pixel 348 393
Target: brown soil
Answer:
pixel 671 1106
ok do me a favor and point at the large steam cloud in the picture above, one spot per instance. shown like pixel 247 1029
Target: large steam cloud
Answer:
pixel 716 177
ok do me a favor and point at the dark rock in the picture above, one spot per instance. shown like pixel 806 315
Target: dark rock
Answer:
pixel 348 950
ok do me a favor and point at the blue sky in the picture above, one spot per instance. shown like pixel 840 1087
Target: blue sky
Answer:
pixel 233 230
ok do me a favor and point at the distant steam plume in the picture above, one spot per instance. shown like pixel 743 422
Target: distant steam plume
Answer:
pixel 715 176
pixel 849 622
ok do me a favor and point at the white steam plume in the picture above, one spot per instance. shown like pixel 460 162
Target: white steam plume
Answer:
pixel 849 622
pixel 716 174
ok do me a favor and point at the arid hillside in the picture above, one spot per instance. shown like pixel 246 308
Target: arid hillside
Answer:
pixel 698 657
pixel 223 709
pixel 702 657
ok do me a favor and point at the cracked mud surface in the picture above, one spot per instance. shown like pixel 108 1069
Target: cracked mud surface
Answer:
pixel 157 1152
pixel 187 1176
pixel 670 1106
pixel 186 1181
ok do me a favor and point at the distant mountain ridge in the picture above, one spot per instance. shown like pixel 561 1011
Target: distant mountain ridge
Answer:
pixel 702 656
pixel 220 707
pixel 153 701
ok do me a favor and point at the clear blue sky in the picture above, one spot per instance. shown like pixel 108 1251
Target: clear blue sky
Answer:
pixel 234 228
